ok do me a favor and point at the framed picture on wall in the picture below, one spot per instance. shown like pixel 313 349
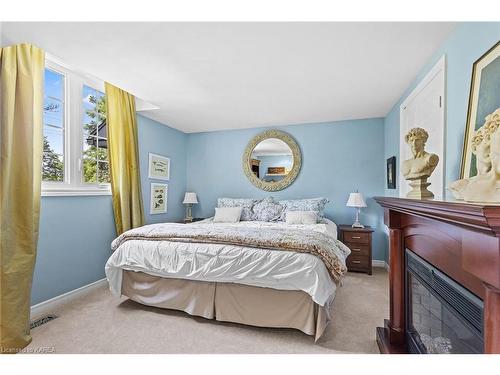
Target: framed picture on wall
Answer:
pixel 159 167
pixel 159 197
pixel 482 113
pixel 391 173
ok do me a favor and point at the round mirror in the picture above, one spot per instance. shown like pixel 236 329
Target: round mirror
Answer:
pixel 272 160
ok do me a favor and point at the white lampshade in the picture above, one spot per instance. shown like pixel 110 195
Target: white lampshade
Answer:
pixel 190 198
pixel 356 200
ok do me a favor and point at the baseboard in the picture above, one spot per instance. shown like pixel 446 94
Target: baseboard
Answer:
pixel 380 263
pixel 48 306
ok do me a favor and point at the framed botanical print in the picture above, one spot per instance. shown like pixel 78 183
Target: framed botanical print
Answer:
pixel 159 167
pixel 484 99
pixel 391 173
pixel 159 196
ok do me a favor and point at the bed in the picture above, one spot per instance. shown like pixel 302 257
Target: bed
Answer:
pixel 267 274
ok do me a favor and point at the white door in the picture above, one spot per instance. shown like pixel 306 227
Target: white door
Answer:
pixel 425 108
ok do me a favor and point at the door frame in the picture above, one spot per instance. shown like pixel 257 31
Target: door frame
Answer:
pixel 433 72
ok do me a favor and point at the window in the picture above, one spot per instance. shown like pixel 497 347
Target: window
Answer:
pixel 75 140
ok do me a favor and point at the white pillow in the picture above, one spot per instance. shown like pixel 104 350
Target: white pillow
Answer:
pixel 301 217
pixel 227 214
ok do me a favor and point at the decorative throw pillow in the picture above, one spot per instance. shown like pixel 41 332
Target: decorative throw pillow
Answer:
pixel 314 204
pixel 227 214
pixel 301 217
pixel 267 210
pixel 245 204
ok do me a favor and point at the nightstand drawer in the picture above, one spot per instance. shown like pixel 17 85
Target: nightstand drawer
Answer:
pixel 357 261
pixel 359 249
pixel 356 237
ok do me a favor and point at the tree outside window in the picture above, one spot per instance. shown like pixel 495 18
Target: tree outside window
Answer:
pixel 95 153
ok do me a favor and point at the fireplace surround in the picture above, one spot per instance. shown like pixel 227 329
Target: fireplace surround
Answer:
pixel 458 245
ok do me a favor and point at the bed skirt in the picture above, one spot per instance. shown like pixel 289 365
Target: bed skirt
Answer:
pixel 229 302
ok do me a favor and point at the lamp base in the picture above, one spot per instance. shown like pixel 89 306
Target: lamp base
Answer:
pixel 357 224
pixel 189 215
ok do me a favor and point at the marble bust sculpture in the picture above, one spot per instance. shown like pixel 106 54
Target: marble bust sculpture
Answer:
pixel 484 187
pixel 420 167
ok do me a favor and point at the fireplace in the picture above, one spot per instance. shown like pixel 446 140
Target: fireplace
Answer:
pixel 444 277
pixel 442 317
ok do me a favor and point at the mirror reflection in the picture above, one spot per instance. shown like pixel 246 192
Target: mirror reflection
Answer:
pixel 271 160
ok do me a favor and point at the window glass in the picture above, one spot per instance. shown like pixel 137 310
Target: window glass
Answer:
pixel 53 127
pixel 95 142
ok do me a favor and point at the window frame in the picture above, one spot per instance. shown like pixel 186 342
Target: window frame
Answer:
pixel 73 184
pixel 53 185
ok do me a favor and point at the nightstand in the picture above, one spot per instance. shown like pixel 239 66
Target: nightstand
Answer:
pixel 359 240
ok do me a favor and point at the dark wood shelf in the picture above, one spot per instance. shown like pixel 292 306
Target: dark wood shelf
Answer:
pixel 476 216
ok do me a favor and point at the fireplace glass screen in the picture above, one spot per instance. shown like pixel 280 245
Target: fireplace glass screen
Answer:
pixel 443 318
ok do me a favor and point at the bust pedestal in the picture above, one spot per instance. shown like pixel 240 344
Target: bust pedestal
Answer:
pixel 419 188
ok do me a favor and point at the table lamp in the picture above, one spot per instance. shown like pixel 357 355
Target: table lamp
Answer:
pixel 189 199
pixel 356 200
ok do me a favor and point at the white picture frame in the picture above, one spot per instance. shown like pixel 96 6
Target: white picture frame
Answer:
pixel 158 198
pixel 159 167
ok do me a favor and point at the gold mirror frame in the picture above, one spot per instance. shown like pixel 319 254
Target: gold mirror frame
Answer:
pixel 289 178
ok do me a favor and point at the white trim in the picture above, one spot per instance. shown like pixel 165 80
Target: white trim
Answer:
pixel 75 192
pixel 61 70
pixel 380 263
pixel 48 306
pixel 439 67
pixel 143 106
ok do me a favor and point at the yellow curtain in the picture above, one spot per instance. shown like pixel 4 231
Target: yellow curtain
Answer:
pixel 21 118
pixel 124 159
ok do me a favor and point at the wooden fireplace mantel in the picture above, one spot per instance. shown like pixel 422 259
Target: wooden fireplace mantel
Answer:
pixel 460 239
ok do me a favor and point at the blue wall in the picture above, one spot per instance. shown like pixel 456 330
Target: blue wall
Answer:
pixel 76 232
pixel 466 44
pixel 160 139
pixel 74 244
pixel 338 158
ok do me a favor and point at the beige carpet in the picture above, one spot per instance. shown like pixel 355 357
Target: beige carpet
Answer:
pixel 100 323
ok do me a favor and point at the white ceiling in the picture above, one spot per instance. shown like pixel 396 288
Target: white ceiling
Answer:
pixel 271 147
pixel 214 76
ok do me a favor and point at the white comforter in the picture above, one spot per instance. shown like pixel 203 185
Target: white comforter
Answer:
pixel 277 269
